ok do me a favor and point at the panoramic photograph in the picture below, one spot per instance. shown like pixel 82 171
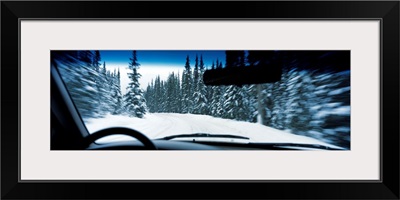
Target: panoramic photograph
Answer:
pixel 200 100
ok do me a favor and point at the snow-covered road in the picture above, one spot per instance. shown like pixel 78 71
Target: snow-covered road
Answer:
pixel 158 125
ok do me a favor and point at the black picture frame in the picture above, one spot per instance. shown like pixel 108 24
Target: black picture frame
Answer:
pixel 386 11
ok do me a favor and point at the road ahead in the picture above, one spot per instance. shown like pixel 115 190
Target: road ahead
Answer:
pixel 158 125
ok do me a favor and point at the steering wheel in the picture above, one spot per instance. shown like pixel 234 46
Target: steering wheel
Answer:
pixel 148 144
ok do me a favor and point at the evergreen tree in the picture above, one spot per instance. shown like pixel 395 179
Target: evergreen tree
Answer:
pixel 172 94
pixel 234 106
pixel 279 94
pixel 196 75
pixel 209 90
pixel 266 100
pixel 105 91
pixel 297 115
pixel 135 102
pixel 154 96
pixel 157 95
pixel 178 92
pixel 250 95
pixel 220 65
pixel 96 60
pixel 98 76
pixel 187 89
pixel 148 95
pixel 217 100
pixel 163 102
pixel 200 100
pixel 117 101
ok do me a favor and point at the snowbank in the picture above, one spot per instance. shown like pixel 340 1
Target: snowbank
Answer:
pixel 158 125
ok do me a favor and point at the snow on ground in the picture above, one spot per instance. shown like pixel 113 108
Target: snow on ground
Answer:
pixel 158 125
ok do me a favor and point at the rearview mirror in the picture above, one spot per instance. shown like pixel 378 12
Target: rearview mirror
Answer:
pixel 243 75
pixel 267 66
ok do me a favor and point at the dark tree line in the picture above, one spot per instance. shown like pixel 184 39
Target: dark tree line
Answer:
pixel 135 103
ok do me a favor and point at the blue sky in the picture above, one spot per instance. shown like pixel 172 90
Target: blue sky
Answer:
pixel 167 58
pixel 155 63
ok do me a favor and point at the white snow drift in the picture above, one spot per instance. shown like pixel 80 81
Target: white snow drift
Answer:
pixel 158 125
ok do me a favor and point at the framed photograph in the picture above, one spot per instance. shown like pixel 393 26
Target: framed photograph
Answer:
pixel 114 99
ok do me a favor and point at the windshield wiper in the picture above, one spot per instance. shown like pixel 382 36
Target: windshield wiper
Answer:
pixel 262 145
pixel 283 145
pixel 204 135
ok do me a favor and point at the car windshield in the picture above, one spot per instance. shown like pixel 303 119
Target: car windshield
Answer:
pixel 164 95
